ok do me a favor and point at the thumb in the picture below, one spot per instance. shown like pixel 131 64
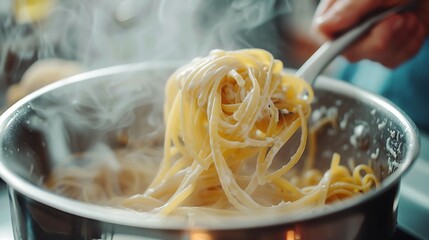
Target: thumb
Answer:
pixel 342 15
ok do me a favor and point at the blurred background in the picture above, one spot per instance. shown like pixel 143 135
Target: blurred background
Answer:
pixel 67 37
pixel 97 34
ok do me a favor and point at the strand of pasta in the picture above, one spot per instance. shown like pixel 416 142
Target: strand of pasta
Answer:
pixel 227 116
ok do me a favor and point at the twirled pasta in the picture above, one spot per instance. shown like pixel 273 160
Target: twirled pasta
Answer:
pixel 227 115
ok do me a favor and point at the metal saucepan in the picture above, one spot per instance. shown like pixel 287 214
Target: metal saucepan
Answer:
pixel 369 129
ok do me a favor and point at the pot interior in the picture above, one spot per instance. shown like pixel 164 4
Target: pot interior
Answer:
pixel 121 108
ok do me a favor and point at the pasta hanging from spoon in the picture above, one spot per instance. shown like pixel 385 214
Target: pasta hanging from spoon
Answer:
pixel 227 116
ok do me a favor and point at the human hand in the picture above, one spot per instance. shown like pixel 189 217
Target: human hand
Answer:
pixel 390 42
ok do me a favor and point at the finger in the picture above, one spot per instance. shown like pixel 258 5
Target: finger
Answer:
pixel 323 6
pixel 391 42
pixel 406 49
pixel 344 14
pixel 376 42
pixel 400 48
pixel 337 16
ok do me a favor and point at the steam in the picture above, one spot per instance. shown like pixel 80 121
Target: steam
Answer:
pixel 105 33
pixel 100 111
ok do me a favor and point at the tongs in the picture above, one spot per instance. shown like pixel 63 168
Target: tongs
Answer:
pixel 330 49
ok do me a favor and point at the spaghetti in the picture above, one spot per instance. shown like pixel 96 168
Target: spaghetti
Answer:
pixel 227 116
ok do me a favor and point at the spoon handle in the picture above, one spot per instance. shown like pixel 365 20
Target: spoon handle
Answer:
pixel 330 49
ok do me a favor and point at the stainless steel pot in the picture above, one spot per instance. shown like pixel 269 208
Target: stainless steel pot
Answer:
pixel 369 129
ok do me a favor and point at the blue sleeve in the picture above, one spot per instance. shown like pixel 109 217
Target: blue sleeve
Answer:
pixel 407 86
